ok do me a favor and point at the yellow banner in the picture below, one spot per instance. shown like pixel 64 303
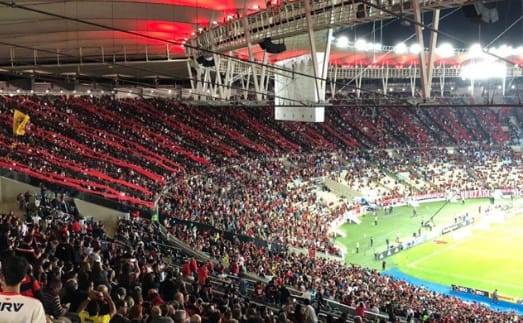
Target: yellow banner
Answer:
pixel 20 120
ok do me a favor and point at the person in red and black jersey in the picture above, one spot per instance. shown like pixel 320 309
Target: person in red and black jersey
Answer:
pixel 30 285
pixel 28 250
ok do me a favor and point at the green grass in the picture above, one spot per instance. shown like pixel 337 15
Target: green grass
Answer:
pixel 484 258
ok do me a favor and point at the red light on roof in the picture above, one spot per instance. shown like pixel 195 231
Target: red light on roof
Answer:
pixel 219 5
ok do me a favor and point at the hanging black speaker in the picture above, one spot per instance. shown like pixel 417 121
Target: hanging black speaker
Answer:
pixel 266 43
pixel 271 47
pixel 276 48
pixel 205 62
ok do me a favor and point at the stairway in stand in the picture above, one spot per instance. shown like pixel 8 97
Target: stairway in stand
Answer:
pixel 341 190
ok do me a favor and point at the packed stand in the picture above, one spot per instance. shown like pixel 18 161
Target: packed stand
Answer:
pixel 269 199
pixel 83 143
pixel 78 275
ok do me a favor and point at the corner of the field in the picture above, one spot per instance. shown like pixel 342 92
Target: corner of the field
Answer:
pixel 447 290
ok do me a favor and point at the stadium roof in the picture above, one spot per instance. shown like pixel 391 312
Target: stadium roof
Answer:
pixel 126 39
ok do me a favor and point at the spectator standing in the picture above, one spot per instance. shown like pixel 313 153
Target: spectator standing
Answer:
pixel 52 302
pixel 26 249
pixel 5 243
pixel 309 313
pixel 64 250
pixel 17 308
pixel 91 308
pixel 72 295
pixel 360 310
pixel 495 296
pixel 158 317
pixel 121 312
pixel 203 274
pixel 30 285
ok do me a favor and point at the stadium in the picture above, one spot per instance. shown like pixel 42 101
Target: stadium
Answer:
pixel 252 161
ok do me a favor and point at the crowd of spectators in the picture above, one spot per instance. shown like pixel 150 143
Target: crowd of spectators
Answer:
pixel 274 199
pixel 262 181
pixel 404 173
pixel 83 142
pixel 263 198
pixel 79 274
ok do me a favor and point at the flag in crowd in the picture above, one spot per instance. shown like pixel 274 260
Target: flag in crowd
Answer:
pixel 20 121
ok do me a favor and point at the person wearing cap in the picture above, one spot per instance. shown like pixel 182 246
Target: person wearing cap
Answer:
pixel 17 308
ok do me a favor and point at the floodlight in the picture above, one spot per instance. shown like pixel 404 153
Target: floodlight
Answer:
pixel 361 45
pixel 482 70
pixel 342 42
pixel 415 49
pixel 505 51
pixel 376 46
pixel 445 50
pixel 401 48
pixel 475 51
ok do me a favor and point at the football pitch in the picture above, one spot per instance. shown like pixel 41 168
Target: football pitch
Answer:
pixel 484 255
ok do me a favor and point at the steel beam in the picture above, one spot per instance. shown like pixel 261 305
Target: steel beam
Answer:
pixel 289 19
pixel 419 36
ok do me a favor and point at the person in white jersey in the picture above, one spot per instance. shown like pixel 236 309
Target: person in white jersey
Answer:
pixel 14 307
